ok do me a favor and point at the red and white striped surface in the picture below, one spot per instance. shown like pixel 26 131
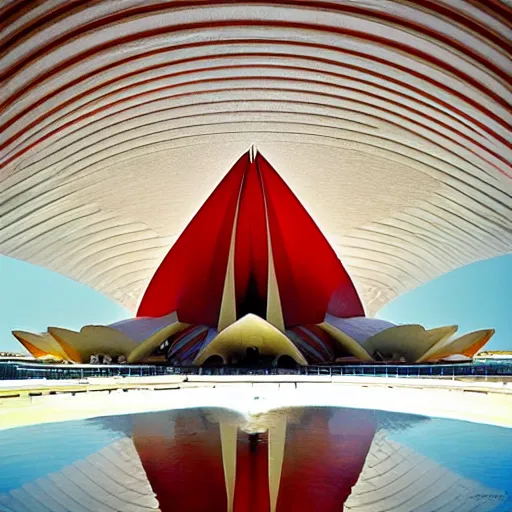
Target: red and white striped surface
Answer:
pixel 389 120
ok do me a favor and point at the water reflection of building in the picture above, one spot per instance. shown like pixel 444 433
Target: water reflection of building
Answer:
pixel 396 477
pixel 110 479
pixel 291 459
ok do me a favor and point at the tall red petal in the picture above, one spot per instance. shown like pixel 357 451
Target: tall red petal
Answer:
pixel 310 277
pixel 307 268
pixel 182 457
pixel 190 279
pixel 251 489
pixel 324 456
pixel 251 253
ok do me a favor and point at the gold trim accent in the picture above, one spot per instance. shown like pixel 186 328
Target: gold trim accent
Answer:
pixel 40 345
pixel 227 314
pixel 274 309
pixel 467 345
pixel 276 444
pixel 228 441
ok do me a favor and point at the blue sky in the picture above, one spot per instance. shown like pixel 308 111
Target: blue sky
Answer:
pixel 33 298
pixel 474 297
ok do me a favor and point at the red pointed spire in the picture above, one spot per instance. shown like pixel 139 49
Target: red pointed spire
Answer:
pixel 307 268
pixel 251 255
pixel 254 201
pixel 190 279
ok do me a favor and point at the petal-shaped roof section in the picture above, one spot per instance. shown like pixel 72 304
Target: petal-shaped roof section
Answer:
pixel 139 329
pixel 276 249
pixel 250 331
pixel 40 345
pixel 307 269
pixel 190 280
pixel 410 341
pixel 346 342
pixel 467 345
pixel 79 346
pixel 359 328
pixel 251 254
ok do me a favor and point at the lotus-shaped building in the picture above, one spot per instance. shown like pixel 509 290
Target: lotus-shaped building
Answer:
pixel 252 280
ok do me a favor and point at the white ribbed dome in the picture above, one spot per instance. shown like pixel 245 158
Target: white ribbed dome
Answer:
pixel 389 120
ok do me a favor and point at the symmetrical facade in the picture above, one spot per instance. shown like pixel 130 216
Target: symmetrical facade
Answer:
pixel 252 279
pixel 294 459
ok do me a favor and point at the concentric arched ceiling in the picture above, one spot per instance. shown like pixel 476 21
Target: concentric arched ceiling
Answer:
pixel 390 120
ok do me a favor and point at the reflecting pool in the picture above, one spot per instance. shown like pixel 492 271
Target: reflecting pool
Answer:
pixel 297 459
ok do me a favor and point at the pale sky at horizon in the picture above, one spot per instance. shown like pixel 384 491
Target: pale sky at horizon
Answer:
pixel 474 297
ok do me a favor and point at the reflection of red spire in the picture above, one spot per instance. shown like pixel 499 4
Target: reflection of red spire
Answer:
pixel 257 203
pixel 323 453
pixel 251 489
pixel 251 254
pixel 322 462
pixel 181 455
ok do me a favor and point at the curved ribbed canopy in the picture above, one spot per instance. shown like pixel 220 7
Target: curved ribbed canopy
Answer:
pixel 389 120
